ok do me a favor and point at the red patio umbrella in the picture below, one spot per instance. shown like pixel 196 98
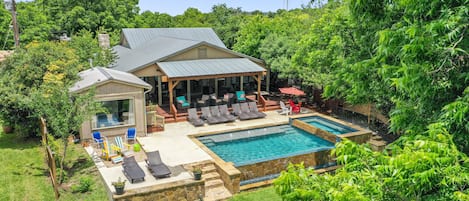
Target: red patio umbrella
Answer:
pixel 292 91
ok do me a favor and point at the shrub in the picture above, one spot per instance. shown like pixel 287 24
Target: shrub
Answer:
pixel 84 185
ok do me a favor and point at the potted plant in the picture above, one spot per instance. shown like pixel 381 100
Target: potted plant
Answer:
pixel 119 186
pixel 197 173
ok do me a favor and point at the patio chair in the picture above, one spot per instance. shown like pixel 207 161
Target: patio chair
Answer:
pixel 240 96
pixel 97 138
pixel 193 118
pixel 208 116
pixel 245 109
pixel 156 166
pixel 225 113
pixel 294 108
pixel 237 111
pixel 131 134
pixel 132 170
pixel 108 152
pixel 122 147
pixel 253 108
pixel 285 109
pixel 182 102
pixel 203 101
pixel 216 113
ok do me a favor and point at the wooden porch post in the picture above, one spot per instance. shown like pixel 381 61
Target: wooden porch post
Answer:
pixel 170 90
pixel 241 79
pixel 189 91
pixel 259 78
pixel 216 87
pixel 267 80
pixel 160 93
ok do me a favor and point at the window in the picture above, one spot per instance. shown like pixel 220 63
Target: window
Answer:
pixel 118 112
pixel 202 53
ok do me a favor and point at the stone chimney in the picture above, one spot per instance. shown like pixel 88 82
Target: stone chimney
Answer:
pixel 103 40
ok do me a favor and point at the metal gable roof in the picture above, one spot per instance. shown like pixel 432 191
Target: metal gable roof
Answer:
pixel 98 75
pixel 158 48
pixel 203 67
pixel 137 37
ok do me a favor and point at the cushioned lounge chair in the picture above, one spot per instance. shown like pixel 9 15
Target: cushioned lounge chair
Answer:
pixel 245 109
pixel 208 116
pixel 156 166
pixel 193 118
pixel 225 113
pixel 182 102
pixel 253 108
pixel 132 170
pixel 240 96
pixel 216 113
pixel 237 111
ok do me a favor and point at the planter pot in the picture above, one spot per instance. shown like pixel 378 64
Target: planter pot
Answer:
pixel 119 190
pixel 7 129
pixel 197 175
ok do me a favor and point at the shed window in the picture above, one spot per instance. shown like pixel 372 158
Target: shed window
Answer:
pixel 118 112
pixel 202 53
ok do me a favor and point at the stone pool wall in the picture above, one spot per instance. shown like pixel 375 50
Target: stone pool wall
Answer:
pixel 180 190
pixel 315 131
pixel 276 166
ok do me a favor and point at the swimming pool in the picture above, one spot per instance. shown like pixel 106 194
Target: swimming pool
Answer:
pixel 263 144
pixel 327 125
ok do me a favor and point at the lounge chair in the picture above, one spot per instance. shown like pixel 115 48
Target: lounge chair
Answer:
pixel 193 118
pixel 203 101
pixel 245 109
pixel 225 113
pixel 132 170
pixel 240 96
pixel 157 168
pixel 182 102
pixel 208 116
pixel 284 108
pixel 294 108
pixel 122 147
pixel 97 138
pixel 216 113
pixel 108 152
pixel 253 108
pixel 237 111
pixel 131 133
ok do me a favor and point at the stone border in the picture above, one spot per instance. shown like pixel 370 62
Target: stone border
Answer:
pixel 186 189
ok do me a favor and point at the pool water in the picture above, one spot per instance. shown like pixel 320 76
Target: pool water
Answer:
pixel 263 144
pixel 327 125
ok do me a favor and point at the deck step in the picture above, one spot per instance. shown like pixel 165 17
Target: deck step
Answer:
pixel 376 137
pixel 377 145
pixel 209 169
pixel 210 176
pixel 217 194
pixel 213 184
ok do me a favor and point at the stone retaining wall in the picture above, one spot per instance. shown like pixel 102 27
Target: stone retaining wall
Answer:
pixel 229 175
pixel 276 166
pixel 181 190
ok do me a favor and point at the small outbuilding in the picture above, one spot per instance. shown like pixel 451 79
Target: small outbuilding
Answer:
pixel 122 95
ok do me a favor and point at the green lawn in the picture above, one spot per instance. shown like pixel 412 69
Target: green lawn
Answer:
pixel 267 193
pixel 24 174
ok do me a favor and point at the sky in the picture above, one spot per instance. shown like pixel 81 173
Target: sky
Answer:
pixel 177 7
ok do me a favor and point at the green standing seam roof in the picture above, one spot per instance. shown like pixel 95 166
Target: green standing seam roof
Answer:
pixel 204 67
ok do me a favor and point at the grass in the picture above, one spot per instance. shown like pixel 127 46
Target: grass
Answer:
pixel 267 193
pixel 24 173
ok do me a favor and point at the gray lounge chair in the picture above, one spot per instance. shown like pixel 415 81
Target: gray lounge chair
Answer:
pixel 245 109
pixel 157 168
pixel 224 112
pixel 237 111
pixel 216 113
pixel 253 108
pixel 132 170
pixel 208 116
pixel 193 118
